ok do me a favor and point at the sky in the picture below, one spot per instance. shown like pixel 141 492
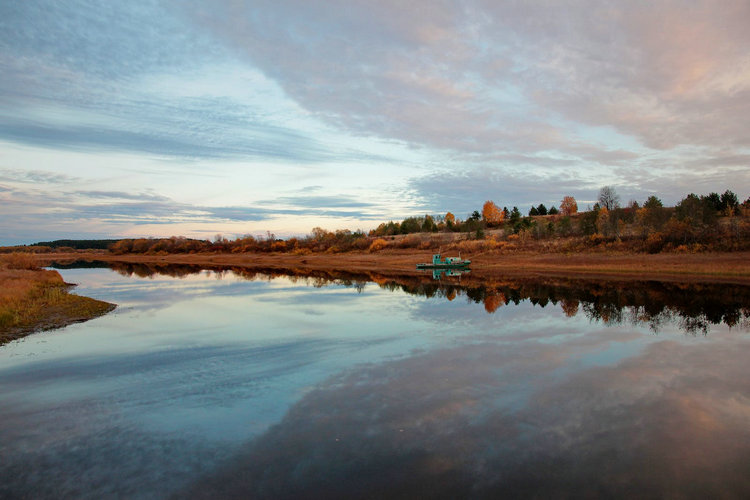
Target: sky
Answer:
pixel 159 118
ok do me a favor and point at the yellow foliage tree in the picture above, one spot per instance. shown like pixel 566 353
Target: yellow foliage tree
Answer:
pixel 491 213
pixel 450 219
pixel 568 206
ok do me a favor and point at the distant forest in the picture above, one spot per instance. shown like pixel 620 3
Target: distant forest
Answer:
pixel 710 222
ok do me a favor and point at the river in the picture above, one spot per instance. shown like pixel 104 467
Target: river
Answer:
pixel 239 384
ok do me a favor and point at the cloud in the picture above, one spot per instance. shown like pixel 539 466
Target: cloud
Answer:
pixel 464 192
pixel 36 176
pixel 122 195
pixel 521 103
pixel 477 76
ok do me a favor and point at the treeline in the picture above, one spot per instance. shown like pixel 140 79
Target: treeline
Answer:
pixel 708 222
pixel 319 240
pixel 697 223
pixel 60 246
pixel 77 244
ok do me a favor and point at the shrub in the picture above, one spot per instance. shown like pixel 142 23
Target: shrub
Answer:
pixel 278 246
pixel 654 243
pixel 410 241
pixel 378 245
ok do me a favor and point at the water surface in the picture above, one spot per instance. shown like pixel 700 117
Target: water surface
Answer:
pixel 220 384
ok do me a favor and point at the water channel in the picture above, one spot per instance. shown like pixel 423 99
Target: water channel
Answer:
pixel 275 384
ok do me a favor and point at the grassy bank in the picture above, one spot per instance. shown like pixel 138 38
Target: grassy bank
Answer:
pixel 34 299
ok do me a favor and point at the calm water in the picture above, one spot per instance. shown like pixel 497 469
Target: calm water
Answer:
pixel 219 385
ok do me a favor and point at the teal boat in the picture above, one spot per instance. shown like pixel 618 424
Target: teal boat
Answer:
pixel 447 263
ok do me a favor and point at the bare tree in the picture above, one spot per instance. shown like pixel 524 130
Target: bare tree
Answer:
pixel 608 198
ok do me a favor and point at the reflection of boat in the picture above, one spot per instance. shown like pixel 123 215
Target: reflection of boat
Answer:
pixel 447 263
pixel 437 273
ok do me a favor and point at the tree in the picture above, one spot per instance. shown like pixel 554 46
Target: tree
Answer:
pixel 491 213
pixel 653 202
pixel 602 221
pixel 428 226
pixel 729 202
pixel 695 211
pixel 568 206
pixel 715 200
pixel 475 215
pixel 541 209
pixel 450 219
pixel 410 225
pixel 515 215
pixel 652 216
pixel 608 198
pixel 552 210
pixel 533 211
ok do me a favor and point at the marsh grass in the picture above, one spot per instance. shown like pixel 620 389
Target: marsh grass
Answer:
pixel 34 299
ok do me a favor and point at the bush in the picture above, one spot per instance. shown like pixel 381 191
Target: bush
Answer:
pixel 378 245
pixel 654 243
pixel 410 241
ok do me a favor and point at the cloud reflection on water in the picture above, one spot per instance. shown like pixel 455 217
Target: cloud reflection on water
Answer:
pixel 498 420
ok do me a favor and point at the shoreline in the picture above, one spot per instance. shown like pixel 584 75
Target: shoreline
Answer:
pixel 730 267
pixel 47 305
pixel 37 300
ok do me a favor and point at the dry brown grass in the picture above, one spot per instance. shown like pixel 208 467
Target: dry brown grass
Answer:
pixel 33 299
pixel 505 259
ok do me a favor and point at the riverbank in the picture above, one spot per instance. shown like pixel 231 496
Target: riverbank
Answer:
pixel 731 267
pixel 33 299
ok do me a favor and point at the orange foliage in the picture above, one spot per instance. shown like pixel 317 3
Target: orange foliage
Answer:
pixel 568 206
pixel 492 301
pixel 491 213
pixel 378 244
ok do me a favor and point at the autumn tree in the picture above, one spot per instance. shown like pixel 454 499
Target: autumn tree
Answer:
pixel 491 213
pixel 568 206
pixel 428 226
pixel 608 198
pixel 652 216
pixel 450 219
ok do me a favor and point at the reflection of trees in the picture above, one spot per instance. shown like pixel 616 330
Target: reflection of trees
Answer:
pixel 492 301
pixel 693 307
pixel 569 307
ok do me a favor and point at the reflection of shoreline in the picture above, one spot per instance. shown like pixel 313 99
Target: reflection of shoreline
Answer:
pixel 693 307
